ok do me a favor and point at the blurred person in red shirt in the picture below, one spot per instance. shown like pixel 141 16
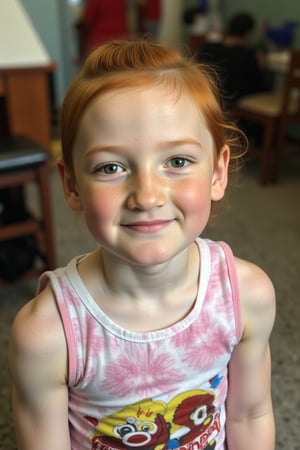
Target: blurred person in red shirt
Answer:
pixel 149 14
pixel 104 20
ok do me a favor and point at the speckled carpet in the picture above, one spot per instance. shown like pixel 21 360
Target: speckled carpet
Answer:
pixel 262 224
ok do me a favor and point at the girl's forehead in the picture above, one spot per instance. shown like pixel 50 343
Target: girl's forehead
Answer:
pixel 145 117
pixel 152 110
pixel 143 98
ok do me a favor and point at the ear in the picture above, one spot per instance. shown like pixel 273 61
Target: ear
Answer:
pixel 220 175
pixel 69 186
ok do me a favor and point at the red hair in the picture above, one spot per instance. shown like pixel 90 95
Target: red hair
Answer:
pixel 132 64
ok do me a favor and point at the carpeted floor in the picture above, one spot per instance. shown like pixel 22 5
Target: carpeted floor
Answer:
pixel 262 225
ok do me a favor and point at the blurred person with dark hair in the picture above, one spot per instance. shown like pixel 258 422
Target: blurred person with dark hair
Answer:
pixel 241 25
pixel 235 60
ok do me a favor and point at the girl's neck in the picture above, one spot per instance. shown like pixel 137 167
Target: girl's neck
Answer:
pixel 142 281
pixel 142 298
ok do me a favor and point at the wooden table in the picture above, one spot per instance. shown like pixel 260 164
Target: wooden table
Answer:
pixel 26 96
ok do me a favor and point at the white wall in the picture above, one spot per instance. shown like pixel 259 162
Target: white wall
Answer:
pixel 52 20
pixel 20 44
pixel 172 32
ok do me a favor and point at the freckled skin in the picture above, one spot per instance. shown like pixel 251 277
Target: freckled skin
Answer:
pixel 140 132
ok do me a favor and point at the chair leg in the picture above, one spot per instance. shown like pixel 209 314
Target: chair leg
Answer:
pixel 278 157
pixel 46 207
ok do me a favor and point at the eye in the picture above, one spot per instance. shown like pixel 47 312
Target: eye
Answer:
pixel 178 162
pixel 199 415
pixel 149 427
pixel 110 168
pixel 125 429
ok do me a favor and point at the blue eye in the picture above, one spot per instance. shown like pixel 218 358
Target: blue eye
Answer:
pixel 178 162
pixel 110 169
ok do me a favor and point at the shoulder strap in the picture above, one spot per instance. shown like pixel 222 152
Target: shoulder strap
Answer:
pixel 232 273
pixel 61 298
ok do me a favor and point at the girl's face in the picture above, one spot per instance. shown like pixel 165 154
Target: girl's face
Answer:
pixel 145 174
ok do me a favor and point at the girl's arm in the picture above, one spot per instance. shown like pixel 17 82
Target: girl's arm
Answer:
pixel 250 420
pixel 38 360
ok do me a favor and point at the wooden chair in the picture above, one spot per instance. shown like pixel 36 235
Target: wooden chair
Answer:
pixel 275 111
pixel 22 161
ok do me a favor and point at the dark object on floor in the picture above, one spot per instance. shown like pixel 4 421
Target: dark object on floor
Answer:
pixel 24 236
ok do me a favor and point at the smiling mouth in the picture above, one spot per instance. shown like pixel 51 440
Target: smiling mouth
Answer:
pixel 148 227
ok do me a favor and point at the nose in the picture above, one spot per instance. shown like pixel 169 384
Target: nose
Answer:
pixel 147 191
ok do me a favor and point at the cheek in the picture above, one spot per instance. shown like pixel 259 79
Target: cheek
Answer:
pixel 194 197
pixel 99 205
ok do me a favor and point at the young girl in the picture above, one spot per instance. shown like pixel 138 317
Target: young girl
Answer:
pixel 158 339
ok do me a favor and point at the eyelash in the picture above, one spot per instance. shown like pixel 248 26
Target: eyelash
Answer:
pixel 186 162
pixel 118 168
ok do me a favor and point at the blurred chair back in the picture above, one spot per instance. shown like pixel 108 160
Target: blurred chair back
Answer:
pixel 275 111
pixel 290 113
pixel 24 162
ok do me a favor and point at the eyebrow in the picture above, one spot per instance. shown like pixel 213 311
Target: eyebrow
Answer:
pixel 102 148
pixel 164 145
pixel 179 142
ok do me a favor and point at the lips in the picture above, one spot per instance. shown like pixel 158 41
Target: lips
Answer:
pixel 148 226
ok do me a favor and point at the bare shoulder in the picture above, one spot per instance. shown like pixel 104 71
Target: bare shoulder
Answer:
pixel 255 285
pixel 37 333
pixel 38 322
pixel 257 295
pixel 38 364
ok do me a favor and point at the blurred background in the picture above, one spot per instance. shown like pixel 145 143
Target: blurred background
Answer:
pixel 42 45
pixel 55 22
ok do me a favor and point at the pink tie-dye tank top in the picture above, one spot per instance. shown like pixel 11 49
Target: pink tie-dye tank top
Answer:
pixel 158 390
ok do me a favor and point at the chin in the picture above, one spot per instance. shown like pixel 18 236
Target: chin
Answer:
pixel 152 255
